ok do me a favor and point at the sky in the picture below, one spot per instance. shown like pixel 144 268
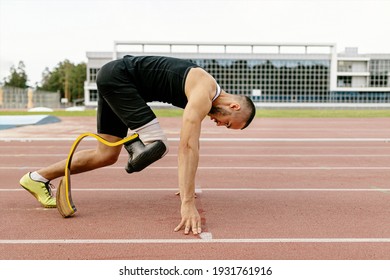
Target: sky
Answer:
pixel 42 33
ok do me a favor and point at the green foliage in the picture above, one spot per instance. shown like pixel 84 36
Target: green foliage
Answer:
pixel 67 78
pixel 18 77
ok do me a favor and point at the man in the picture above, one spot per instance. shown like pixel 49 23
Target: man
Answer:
pixel 124 87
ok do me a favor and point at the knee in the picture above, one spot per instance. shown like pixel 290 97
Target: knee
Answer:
pixel 106 158
pixel 110 160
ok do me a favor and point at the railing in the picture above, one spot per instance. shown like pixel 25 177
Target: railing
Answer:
pixel 18 98
pixel 330 97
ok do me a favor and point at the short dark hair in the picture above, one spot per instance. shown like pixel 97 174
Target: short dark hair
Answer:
pixel 248 103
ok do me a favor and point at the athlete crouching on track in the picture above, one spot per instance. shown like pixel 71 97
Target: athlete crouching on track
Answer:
pixel 124 86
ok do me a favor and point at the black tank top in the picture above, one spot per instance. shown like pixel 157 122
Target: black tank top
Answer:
pixel 160 78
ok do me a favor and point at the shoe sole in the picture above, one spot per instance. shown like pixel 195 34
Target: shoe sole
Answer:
pixel 65 203
pixel 37 198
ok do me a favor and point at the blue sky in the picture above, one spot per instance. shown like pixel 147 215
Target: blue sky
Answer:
pixel 42 33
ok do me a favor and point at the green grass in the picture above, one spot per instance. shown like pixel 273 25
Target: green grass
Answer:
pixel 261 113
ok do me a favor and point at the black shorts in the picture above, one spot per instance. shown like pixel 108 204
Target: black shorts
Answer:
pixel 120 106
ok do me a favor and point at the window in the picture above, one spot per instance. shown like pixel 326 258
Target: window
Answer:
pixel 93 74
pixel 379 73
pixel 344 81
pixel 344 66
pixel 93 95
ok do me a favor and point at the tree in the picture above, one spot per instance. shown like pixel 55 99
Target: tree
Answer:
pixel 67 78
pixel 18 76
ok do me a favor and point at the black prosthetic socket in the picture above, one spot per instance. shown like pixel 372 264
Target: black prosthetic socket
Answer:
pixel 140 156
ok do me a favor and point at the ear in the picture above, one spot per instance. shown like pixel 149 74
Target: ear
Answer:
pixel 235 106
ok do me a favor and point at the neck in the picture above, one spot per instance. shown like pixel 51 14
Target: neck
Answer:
pixel 223 99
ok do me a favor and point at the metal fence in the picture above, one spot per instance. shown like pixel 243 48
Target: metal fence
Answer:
pixel 327 97
pixel 18 98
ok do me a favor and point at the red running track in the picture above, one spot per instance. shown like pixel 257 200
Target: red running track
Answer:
pixel 281 189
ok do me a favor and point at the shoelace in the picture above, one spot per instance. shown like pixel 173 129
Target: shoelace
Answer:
pixel 49 186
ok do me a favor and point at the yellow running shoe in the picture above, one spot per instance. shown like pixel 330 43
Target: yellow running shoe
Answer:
pixel 41 191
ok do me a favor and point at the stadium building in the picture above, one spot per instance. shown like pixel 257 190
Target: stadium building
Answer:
pixel 271 73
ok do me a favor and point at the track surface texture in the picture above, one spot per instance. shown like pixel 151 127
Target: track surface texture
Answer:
pixel 281 189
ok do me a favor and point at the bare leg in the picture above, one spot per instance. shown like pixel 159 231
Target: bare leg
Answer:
pixel 85 160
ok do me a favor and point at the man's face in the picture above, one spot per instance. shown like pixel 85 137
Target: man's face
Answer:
pixel 226 117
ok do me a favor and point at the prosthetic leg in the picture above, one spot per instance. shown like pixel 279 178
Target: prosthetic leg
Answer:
pixel 147 145
pixel 65 203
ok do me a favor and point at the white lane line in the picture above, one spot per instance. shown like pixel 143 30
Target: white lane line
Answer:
pixel 208 139
pixel 205 139
pixel 197 240
pixel 373 189
pixel 230 167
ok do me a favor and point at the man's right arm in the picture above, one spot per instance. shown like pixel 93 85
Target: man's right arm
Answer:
pixel 188 159
pixel 200 93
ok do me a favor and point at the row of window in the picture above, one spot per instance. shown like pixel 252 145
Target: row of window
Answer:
pixel 373 81
pixel 257 63
pixel 277 77
pixel 281 73
pixel 271 77
pixel 380 66
pixel 280 67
